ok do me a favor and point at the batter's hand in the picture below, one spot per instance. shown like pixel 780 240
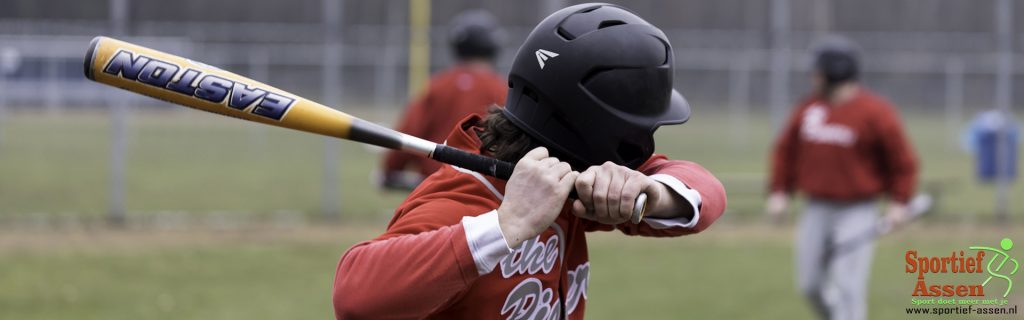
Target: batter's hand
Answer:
pixel 607 193
pixel 534 196
pixel 776 207
pixel 897 215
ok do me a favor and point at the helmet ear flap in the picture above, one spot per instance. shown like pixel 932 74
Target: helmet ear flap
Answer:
pixel 526 111
pixel 631 154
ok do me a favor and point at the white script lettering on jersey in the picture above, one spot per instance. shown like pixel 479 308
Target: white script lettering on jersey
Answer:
pixel 530 299
pixel 531 257
pixel 814 129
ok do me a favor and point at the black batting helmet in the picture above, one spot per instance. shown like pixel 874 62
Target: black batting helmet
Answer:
pixel 836 58
pixel 475 34
pixel 592 83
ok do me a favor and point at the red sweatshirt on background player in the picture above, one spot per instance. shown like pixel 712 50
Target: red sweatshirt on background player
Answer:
pixel 469 87
pixel 463 90
pixel 848 152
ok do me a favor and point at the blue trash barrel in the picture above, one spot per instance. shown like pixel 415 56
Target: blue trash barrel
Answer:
pixel 984 141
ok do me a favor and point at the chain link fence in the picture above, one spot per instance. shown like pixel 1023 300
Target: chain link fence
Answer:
pixel 741 61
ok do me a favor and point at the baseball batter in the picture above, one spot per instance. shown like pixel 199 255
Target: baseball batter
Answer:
pixel 586 92
pixel 468 87
pixel 843 147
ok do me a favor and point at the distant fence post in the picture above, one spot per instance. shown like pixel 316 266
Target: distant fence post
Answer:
pixel 419 45
pixel 331 86
pixel 739 98
pixel 954 100
pixel 821 18
pixel 118 132
pixel 4 66
pixel 1003 102
pixel 386 68
pixel 53 79
pixel 780 69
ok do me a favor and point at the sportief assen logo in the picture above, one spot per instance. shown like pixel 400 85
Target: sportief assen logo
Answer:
pixel 985 277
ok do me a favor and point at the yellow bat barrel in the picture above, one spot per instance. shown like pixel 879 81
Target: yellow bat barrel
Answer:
pixel 194 84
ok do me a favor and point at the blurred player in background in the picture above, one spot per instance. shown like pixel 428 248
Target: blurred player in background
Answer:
pixel 468 87
pixel 843 147
pixel 466 246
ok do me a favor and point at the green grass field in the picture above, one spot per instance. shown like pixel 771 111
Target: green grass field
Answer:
pixel 54 168
pixel 730 272
pixel 184 161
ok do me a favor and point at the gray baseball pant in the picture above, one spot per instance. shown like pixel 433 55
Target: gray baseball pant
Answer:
pixel 835 285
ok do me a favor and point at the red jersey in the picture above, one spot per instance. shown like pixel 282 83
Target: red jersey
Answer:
pixel 451 96
pixel 853 151
pixel 436 262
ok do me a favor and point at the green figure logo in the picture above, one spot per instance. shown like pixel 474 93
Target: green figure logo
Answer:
pixel 1006 244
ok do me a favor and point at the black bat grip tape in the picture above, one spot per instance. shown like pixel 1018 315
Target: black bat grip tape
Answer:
pixel 474 162
pixel 486 165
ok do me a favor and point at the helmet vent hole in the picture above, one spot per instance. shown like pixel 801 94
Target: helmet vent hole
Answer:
pixel 609 23
pixel 565 34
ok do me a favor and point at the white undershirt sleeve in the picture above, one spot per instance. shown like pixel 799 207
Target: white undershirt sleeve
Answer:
pixel 486 242
pixel 691 196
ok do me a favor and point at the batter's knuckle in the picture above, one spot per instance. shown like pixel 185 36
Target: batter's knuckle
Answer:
pixel 583 189
pixel 586 178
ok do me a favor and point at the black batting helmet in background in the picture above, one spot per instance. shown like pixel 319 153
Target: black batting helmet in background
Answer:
pixel 592 83
pixel 836 58
pixel 475 34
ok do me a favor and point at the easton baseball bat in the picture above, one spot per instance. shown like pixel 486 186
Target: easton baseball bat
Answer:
pixel 197 85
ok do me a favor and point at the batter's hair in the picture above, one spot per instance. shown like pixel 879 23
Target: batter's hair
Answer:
pixel 502 139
